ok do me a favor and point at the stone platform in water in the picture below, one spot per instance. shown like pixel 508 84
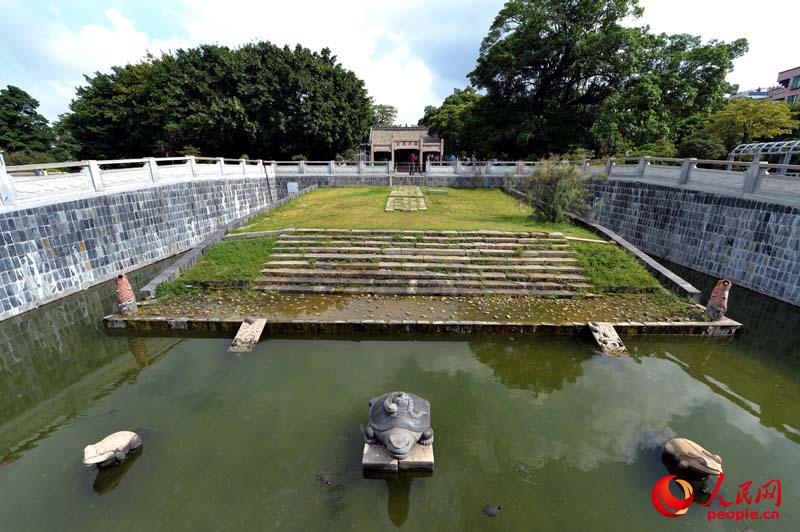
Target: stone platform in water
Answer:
pixel 376 459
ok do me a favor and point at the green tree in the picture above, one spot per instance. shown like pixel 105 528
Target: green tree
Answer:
pixel 455 121
pixel 744 120
pixel 383 115
pixel 703 145
pixel 260 99
pixel 23 131
pixel 547 66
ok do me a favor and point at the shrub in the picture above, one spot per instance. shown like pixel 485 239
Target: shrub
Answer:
pixel 555 189
pixel 703 145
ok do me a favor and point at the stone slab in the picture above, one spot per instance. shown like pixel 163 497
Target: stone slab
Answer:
pixel 376 459
pixel 248 335
pixel 607 338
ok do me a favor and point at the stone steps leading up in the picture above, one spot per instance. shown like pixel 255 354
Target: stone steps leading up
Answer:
pixel 411 244
pixel 418 291
pixel 467 263
pixel 365 281
pixel 423 274
pixel 433 254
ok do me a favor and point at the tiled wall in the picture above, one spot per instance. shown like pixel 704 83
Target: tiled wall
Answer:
pixel 50 251
pixel 755 244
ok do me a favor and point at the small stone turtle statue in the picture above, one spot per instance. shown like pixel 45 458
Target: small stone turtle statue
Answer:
pixel 112 449
pixel 690 460
pixel 398 420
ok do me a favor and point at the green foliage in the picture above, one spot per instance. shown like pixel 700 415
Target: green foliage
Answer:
pixel 562 74
pixel 659 148
pixel 174 288
pixel 231 260
pixel 383 115
pixel 556 189
pixel 703 145
pixel 610 268
pixel 744 120
pixel 261 99
pixel 456 121
pixel 24 133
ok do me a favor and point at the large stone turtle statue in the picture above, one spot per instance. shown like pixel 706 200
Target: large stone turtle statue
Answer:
pixel 112 449
pixel 399 420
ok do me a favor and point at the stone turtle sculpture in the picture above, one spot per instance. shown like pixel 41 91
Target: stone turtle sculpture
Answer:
pixel 112 449
pixel 399 420
pixel 689 459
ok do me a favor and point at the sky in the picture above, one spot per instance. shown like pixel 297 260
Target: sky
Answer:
pixel 410 54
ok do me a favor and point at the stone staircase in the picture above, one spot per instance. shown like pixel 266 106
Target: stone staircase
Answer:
pixel 423 263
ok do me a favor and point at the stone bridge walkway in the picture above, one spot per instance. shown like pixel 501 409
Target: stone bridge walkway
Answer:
pixel 423 263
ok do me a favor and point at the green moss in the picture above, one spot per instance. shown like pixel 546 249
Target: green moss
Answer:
pixel 610 268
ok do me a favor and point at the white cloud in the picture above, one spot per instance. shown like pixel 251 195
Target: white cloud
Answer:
pixel 770 28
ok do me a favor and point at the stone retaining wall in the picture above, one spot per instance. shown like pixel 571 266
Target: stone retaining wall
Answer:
pixel 50 251
pixel 304 181
pixel 753 243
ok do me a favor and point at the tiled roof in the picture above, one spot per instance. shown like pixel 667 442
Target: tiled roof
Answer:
pixel 385 135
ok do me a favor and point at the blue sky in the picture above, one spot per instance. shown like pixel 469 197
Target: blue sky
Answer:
pixel 411 53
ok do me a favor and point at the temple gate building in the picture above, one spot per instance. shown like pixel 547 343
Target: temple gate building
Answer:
pixel 397 143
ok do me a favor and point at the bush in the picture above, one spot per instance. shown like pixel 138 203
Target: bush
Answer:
pixel 556 189
pixel 703 145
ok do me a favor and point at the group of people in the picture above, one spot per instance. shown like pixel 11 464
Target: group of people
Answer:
pixel 435 157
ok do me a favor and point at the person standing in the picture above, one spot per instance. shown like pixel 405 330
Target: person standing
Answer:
pixel 413 161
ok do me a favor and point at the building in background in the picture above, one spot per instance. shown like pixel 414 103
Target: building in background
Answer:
pixel 757 94
pixel 397 143
pixel 788 89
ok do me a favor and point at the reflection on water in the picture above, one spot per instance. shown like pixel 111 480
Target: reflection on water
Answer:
pixel 562 438
pixel 61 360
pixel 109 478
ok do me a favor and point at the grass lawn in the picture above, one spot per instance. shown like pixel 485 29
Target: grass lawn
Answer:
pixel 229 260
pixel 362 208
pixel 611 267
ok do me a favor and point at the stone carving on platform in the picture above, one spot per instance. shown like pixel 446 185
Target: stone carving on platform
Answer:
pixel 112 449
pixel 718 302
pixel 398 421
pixel 126 299
pixel 688 459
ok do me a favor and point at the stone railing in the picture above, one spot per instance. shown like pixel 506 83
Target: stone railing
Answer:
pixel 44 183
pixel 34 184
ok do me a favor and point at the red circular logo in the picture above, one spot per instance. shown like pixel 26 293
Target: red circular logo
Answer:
pixel 666 503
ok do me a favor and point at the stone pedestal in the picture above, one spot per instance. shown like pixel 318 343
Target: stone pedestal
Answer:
pixel 376 459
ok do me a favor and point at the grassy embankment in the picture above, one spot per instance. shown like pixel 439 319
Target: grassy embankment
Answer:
pixel 362 208
pixel 608 267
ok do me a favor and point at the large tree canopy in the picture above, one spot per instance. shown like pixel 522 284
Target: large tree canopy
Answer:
pixel 742 121
pixel 455 120
pixel 563 74
pixel 261 100
pixel 22 128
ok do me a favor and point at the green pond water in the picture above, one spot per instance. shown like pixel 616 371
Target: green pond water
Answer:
pixel 560 436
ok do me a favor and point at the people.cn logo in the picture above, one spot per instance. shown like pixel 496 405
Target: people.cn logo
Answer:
pixel 668 504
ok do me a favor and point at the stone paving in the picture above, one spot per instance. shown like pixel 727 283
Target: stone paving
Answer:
pixel 406 199
pixel 423 263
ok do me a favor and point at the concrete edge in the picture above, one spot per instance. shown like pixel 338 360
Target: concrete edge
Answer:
pixel 662 273
pixel 193 255
pixel 227 328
